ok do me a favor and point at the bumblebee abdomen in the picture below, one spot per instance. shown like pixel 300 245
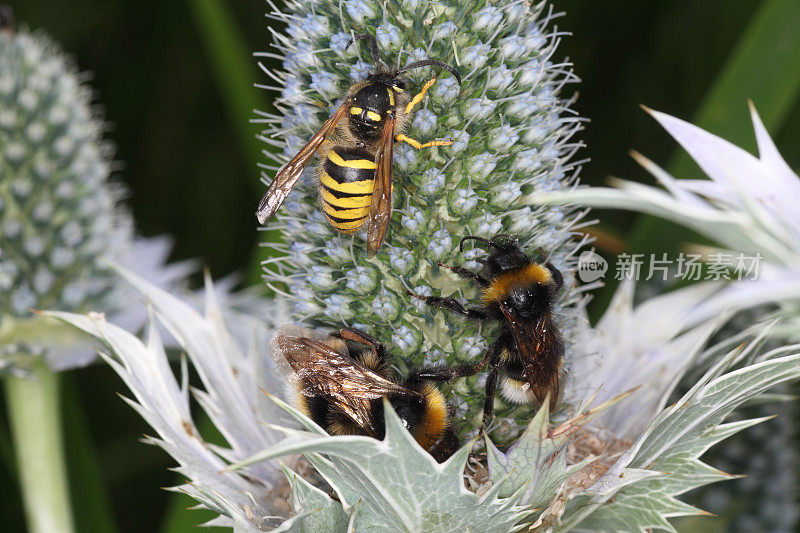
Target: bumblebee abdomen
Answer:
pixel 347 180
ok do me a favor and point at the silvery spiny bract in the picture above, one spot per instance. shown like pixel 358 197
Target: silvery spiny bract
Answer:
pixel 512 134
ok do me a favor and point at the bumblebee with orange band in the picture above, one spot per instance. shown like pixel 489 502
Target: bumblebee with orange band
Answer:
pixel 339 381
pixel 356 144
pixel 518 293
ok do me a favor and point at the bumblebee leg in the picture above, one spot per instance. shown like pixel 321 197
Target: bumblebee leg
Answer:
pixel 418 145
pixel 356 335
pixel 448 373
pixel 467 274
pixel 491 381
pixel 420 95
pixel 488 403
pixel 558 279
pixel 452 305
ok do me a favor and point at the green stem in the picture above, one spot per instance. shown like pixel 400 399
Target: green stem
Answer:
pixel 35 419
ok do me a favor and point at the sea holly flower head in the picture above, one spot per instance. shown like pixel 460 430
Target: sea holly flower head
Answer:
pixel 60 212
pixel 509 107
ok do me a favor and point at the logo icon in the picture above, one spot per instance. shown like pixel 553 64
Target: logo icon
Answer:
pixel 591 266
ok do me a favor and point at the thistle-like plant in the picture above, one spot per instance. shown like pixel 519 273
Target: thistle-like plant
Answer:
pixel 512 133
pixel 59 211
pixel 618 463
pixel 615 457
pixel 61 219
pixel 745 206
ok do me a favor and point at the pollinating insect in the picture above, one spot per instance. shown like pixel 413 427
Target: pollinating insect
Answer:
pixel 356 145
pixel 340 381
pixel 518 293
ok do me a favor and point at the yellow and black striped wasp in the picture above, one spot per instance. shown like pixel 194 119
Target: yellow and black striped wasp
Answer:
pixel 356 170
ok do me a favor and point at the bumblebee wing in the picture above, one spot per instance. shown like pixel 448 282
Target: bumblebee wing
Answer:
pixel 542 351
pixel 320 370
pixel 289 173
pixel 381 208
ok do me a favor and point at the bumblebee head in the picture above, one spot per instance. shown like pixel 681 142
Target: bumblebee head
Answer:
pixel 410 410
pixel 506 256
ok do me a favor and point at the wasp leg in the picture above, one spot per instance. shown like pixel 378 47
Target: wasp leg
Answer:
pixel 418 145
pixel 420 95
pixel 467 274
pixel 452 305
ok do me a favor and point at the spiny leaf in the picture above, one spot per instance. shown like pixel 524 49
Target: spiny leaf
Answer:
pixel 673 443
pixel 538 457
pixel 395 485
pixel 324 513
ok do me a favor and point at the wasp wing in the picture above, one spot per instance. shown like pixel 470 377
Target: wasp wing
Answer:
pixel 320 370
pixel 381 209
pixel 289 173
pixel 541 350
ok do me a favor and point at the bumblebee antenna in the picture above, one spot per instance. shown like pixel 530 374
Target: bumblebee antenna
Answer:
pixel 474 238
pixel 373 46
pixel 426 62
pixel 7 20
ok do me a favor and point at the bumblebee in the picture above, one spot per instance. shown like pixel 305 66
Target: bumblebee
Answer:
pixel 340 381
pixel 356 169
pixel 518 293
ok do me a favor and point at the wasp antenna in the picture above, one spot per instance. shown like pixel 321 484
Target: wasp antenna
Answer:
pixel 474 238
pixel 426 62
pixel 373 46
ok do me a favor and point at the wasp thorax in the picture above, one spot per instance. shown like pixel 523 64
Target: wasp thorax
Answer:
pixel 368 108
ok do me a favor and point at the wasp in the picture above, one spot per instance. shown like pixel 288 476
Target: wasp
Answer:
pixel 518 294
pixel 339 381
pixel 356 145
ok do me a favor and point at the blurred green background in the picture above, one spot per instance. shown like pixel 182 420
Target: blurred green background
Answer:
pixel 174 78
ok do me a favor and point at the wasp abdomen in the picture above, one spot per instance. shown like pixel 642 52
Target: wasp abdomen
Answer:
pixel 347 182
